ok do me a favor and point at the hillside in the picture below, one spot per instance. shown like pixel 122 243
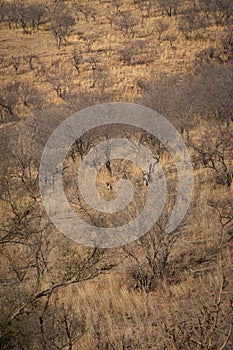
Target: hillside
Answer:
pixel 157 292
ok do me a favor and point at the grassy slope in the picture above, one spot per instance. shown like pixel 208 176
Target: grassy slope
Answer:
pixel 114 314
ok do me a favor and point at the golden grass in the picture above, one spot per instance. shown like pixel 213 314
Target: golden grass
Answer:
pixel 112 311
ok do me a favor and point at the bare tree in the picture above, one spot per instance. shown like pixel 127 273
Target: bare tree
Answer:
pixel 9 99
pixel 214 151
pixel 210 326
pixel 103 82
pixel 126 22
pixel 226 42
pixel 33 276
pixel 89 40
pixel 81 147
pixel 35 65
pixel 219 11
pixel 77 59
pixel 117 4
pixel 86 10
pixel 111 17
pixel 36 13
pixel 62 26
pixel 145 7
pixel 12 14
pixel 190 23
pixel 60 326
pixel 161 27
pixel 59 78
pixel 2 10
pixel 16 61
pixel 151 265
pixel 127 53
pixel 169 6
pixel 224 211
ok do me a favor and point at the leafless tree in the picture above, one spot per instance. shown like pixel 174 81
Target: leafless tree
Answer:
pixel 169 6
pixel 62 26
pixel 2 10
pixel 126 22
pixel 132 52
pixel 224 211
pixel 150 266
pixel 9 99
pixel 60 326
pixel 111 17
pixel 208 95
pixel 127 53
pixel 117 4
pixel 103 83
pixel 210 326
pixel 214 151
pixel 36 13
pixel 81 147
pixel 173 100
pixel 226 42
pixel 12 14
pixel 93 61
pixel 16 61
pixel 35 65
pixel 161 27
pixel 89 40
pixel 189 23
pixel 59 78
pixel 77 60
pixel 86 10
pixel 33 277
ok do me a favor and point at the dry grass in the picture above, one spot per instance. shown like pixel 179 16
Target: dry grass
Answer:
pixel 158 59
pixel 114 314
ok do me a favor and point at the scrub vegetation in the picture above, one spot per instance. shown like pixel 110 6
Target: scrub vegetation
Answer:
pixel 159 292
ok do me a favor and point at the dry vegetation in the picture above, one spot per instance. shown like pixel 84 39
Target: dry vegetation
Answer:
pixel 158 292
